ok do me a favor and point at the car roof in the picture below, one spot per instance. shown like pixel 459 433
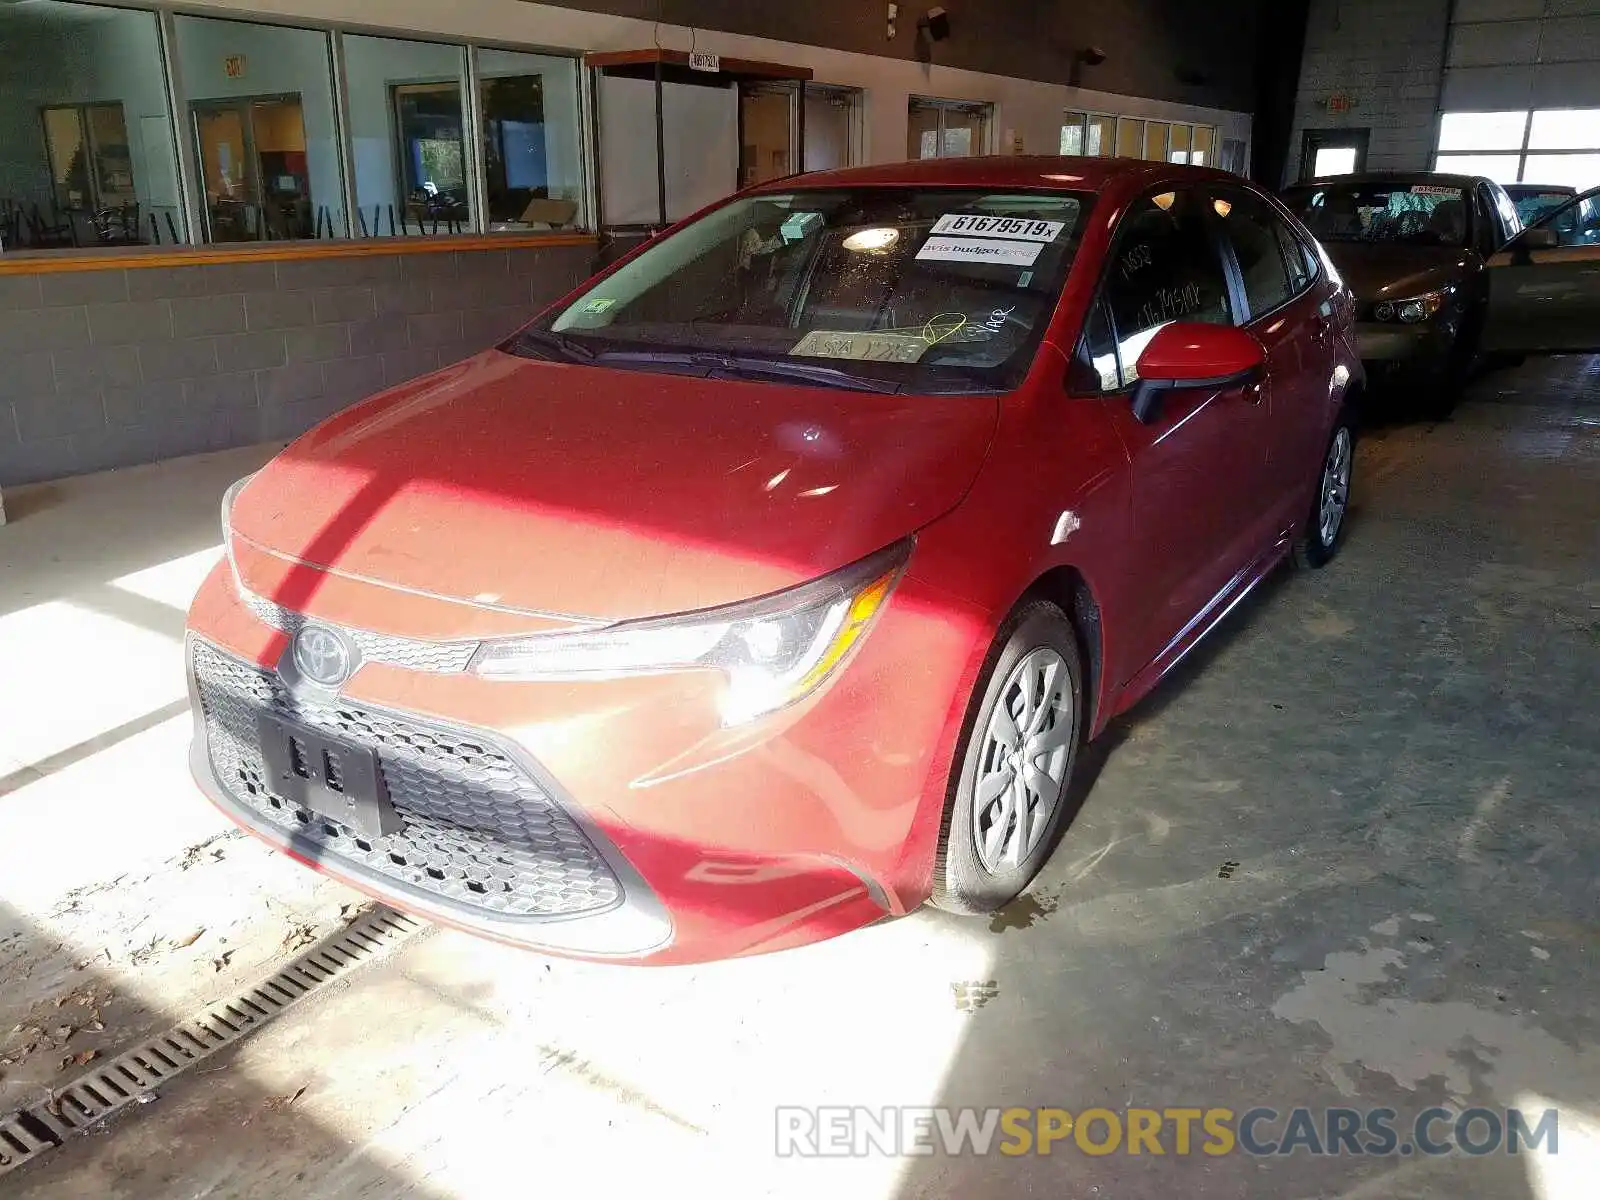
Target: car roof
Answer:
pixel 1536 189
pixel 1001 171
pixel 1413 177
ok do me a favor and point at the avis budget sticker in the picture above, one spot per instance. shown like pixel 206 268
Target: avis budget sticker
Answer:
pixel 1022 228
pixel 980 250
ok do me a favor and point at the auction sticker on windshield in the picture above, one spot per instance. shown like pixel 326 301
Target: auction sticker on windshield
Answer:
pixel 980 250
pixel 1428 189
pixel 874 346
pixel 1022 228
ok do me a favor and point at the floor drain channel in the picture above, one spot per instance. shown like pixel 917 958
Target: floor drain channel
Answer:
pixel 128 1079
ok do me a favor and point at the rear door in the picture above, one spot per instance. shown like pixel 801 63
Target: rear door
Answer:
pixel 1543 298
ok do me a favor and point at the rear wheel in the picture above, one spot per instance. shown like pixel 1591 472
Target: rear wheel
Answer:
pixel 1321 535
pixel 1007 799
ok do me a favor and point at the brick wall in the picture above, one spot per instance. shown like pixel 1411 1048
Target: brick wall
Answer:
pixel 107 368
pixel 1389 56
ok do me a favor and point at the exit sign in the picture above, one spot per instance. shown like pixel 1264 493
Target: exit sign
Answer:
pixel 233 66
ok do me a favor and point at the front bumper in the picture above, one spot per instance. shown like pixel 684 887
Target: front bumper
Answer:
pixel 487 843
pixel 1394 353
pixel 610 819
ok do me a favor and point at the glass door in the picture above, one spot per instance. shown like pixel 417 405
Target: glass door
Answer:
pixel 832 127
pixel 946 128
pixel 766 132
pixel 253 164
pixel 1326 152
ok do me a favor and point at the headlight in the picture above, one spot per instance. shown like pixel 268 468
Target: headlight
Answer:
pixel 228 497
pixel 773 651
pixel 1414 310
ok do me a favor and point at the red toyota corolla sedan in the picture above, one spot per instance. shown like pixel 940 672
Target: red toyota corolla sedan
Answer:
pixel 770 583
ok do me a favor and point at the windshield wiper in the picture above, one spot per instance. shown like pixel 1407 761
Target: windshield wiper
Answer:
pixel 744 367
pixel 547 342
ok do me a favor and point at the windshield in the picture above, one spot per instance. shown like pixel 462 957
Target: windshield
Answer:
pixel 899 289
pixel 1533 206
pixel 1415 214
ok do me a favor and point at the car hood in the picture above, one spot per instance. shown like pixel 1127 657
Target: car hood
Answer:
pixel 1380 271
pixel 547 489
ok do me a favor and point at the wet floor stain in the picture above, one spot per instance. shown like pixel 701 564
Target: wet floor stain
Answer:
pixel 1026 911
pixel 973 994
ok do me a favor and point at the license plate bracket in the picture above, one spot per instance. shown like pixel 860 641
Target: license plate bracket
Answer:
pixel 331 778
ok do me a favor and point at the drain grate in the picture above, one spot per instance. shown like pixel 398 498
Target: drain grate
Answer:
pixel 130 1078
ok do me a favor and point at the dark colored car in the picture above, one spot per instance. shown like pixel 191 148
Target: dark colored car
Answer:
pixel 1535 200
pixel 770 583
pixel 1413 248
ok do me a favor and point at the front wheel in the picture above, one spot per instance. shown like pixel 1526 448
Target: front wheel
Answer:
pixel 1320 537
pixel 1008 799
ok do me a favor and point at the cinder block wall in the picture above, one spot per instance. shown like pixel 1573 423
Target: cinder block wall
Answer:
pixel 1389 56
pixel 108 368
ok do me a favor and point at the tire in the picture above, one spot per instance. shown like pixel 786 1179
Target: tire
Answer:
pixel 1315 546
pixel 1038 643
pixel 1439 402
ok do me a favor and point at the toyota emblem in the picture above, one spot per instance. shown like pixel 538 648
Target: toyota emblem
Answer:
pixel 322 656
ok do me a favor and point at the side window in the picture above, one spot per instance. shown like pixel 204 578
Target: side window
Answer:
pixel 1577 224
pixel 1295 253
pixel 1485 221
pixel 1095 369
pixel 1251 228
pixel 1164 268
pixel 1509 217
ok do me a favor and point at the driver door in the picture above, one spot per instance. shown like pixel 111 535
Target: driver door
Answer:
pixel 1544 287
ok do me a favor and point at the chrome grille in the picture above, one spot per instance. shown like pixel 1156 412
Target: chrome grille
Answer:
pixel 438 658
pixel 478 829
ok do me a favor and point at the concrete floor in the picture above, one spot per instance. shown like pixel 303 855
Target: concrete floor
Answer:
pixel 1400 756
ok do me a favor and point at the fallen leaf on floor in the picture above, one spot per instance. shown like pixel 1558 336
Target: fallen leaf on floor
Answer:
pixel 302 934
pixel 218 963
pixel 274 1103
pixel 79 1060
pixel 185 942
pixel 51 1104
pixel 62 1032
pixel 95 1027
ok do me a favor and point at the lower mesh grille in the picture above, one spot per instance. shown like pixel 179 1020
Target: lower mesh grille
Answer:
pixel 479 830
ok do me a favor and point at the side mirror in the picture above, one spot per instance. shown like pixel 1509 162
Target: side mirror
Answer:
pixel 1193 355
pixel 1541 237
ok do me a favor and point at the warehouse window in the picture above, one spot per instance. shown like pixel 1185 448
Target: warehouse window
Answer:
pixel 261 115
pixel 281 132
pixel 1556 146
pixel 408 137
pixel 86 149
pixel 532 155
pixel 1098 135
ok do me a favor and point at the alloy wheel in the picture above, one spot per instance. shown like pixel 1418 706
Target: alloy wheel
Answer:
pixel 1335 487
